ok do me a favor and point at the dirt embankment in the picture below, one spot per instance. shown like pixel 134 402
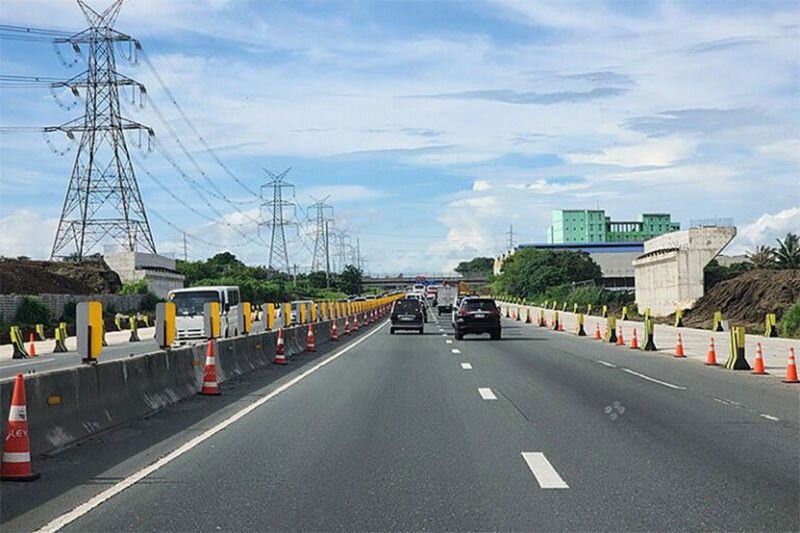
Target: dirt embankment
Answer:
pixel 747 298
pixel 56 277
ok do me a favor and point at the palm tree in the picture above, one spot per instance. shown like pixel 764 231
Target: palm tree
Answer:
pixel 762 257
pixel 788 252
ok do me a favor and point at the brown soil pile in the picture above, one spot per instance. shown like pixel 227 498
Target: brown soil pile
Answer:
pixel 55 277
pixel 747 298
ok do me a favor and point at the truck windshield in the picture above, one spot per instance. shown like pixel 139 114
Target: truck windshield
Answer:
pixel 191 303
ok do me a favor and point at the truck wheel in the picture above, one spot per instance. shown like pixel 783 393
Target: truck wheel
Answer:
pixel 495 335
pixel 421 331
pixel 459 336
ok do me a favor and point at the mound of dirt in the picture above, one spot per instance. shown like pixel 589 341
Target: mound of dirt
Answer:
pixel 747 298
pixel 55 277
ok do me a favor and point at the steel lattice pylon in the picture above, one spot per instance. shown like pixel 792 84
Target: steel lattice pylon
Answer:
pixel 103 200
pixel 273 210
pixel 323 213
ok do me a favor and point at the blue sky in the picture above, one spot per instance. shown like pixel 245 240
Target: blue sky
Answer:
pixel 436 125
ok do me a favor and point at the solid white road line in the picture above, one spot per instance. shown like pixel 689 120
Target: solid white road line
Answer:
pixel 487 394
pixel 134 478
pixel 466 366
pixel 543 471
pixel 455 350
pixel 770 417
pixel 609 365
pixel 654 380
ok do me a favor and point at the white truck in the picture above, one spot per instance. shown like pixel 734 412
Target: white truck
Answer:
pixel 189 303
pixel 447 295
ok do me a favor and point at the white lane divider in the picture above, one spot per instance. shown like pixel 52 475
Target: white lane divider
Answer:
pixel 605 363
pixel 543 471
pixel 455 350
pixel 466 366
pixel 444 334
pixel 486 393
pixel 449 341
pixel 134 478
pixel 770 417
pixel 654 380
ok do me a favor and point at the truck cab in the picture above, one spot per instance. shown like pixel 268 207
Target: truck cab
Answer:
pixel 189 304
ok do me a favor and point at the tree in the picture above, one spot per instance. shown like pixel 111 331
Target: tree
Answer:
pixel 788 252
pixel 483 266
pixel 530 272
pixel 762 257
pixel 317 279
pixel 350 280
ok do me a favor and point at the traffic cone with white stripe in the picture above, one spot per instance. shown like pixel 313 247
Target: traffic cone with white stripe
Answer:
pixel 16 465
pixel 355 322
pixel 310 345
pixel 758 367
pixel 711 358
pixel 32 349
pixel 210 387
pixel 634 341
pixel 597 336
pixel 280 349
pixel 679 347
pixel 620 339
pixel 334 331
pixel 347 325
pixel 791 369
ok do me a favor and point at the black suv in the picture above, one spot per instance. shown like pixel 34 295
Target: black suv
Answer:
pixel 476 316
pixel 407 314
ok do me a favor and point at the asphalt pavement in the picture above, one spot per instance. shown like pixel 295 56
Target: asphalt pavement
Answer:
pixel 538 431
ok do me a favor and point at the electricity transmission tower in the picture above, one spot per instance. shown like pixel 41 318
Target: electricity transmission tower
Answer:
pixel 323 214
pixel 103 200
pixel 275 209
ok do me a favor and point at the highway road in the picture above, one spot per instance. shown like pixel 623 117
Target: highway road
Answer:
pixel 538 431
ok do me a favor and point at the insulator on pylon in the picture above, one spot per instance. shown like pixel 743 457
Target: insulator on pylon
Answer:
pixel 53 147
pixel 60 103
pixel 68 64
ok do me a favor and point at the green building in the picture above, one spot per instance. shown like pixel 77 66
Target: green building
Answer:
pixel 592 225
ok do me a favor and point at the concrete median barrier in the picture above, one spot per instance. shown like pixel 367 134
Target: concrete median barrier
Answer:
pixel 69 405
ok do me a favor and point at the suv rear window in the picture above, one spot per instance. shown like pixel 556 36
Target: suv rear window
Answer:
pixel 406 306
pixel 480 305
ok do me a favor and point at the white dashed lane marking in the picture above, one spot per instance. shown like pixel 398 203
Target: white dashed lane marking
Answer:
pixel 466 366
pixel 605 363
pixel 543 471
pixel 455 350
pixel 486 393
pixel 654 380
pixel 770 417
pixel 448 341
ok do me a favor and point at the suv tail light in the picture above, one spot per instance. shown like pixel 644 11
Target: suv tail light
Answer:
pixel 463 311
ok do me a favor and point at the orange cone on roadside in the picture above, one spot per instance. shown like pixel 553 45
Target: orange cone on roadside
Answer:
pixel 560 325
pixel 310 345
pixel 620 339
pixel 711 358
pixel 528 319
pixel 347 325
pixel 355 322
pixel 334 332
pixel 32 349
pixel 16 465
pixel 634 341
pixel 679 347
pixel 280 350
pixel 758 367
pixel 210 387
pixel 791 369
pixel 597 336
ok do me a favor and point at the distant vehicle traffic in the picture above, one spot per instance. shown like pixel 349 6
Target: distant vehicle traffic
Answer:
pixel 477 316
pixel 295 309
pixel 189 304
pixel 407 314
pixel 446 296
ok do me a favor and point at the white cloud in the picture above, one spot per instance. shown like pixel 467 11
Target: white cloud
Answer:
pixel 28 233
pixel 650 152
pixel 765 230
pixel 481 185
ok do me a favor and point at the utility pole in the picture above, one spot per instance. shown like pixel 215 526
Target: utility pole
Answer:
pixel 294 283
pixel 274 211
pixel 510 237
pixel 102 200
pixel 185 254
pixel 358 253
pixel 327 257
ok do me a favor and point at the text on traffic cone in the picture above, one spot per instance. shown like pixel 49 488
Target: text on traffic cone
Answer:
pixel 16 463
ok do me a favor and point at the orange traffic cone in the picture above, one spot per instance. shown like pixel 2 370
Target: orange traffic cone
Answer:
pixel 32 349
pixel 280 349
pixel 634 341
pixel 620 339
pixel 334 332
pixel 210 387
pixel 791 369
pixel 560 325
pixel 758 367
pixel 711 358
pixel 679 347
pixel 16 464
pixel 355 322
pixel 310 346
pixel 597 336
pixel 347 325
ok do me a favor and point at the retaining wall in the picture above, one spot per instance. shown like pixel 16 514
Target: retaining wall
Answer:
pixel 9 303
pixel 98 397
